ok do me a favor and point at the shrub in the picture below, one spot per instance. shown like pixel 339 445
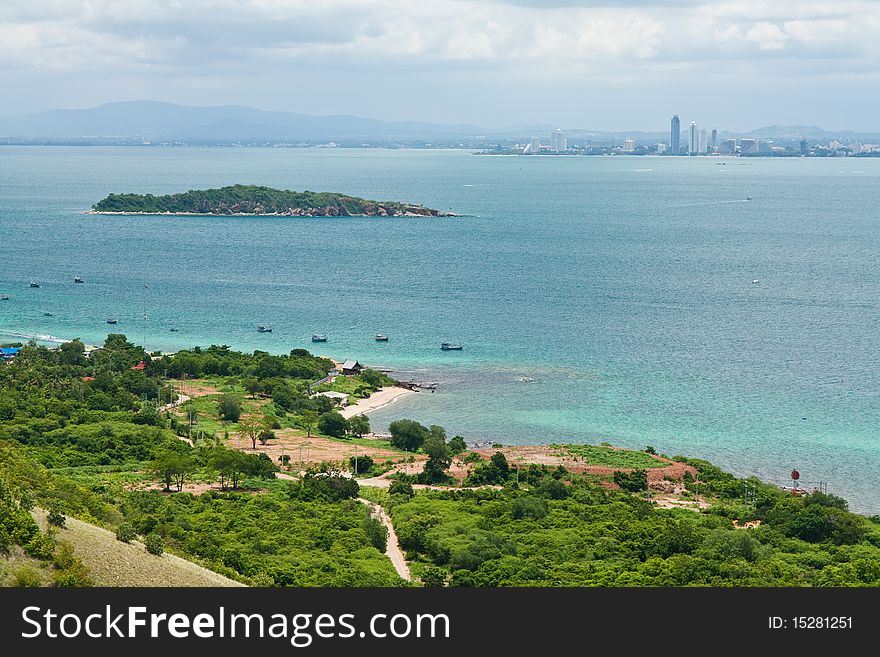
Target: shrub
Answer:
pixel 125 533
pixel 56 515
pixel 401 488
pixel 26 577
pixel 529 507
pixel 376 531
pixel 634 481
pixel 361 464
pixel 153 543
pixel 433 577
pixel 41 546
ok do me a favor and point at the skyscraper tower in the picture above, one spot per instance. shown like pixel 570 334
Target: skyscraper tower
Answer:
pixel 693 139
pixel 675 134
pixel 713 143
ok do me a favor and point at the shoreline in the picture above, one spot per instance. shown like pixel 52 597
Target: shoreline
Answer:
pixel 265 214
pixel 379 399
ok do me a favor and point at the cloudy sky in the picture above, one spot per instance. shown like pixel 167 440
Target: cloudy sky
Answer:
pixel 736 64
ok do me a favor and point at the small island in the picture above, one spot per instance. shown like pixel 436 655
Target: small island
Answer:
pixel 249 200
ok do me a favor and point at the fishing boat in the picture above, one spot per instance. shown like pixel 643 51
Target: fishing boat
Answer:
pixel 318 337
pixel 48 315
pixel 381 338
pixel 78 279
pixel 172 330
pixel 264 328
pixel 4 297
pixel 111 321
pixel 448 346
pixel 34 284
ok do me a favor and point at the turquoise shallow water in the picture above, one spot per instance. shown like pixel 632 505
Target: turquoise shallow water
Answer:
pixel 596 298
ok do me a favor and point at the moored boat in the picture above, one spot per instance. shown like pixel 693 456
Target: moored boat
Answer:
pixel 319 337
pixel 34 284
pixel 264 328
pixel 78 279
pixel 379 337
pixel 112 321
pixel 448 346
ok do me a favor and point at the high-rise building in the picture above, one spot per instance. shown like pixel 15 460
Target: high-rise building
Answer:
pixel 558 142
pixel 661 148
pixel 803 146
pixel 629 145
pixel 704 141
pixel 727 147
pixel 534 146
pixel 713 143
pixel 748 146
pixel 693 137
pixel 675 134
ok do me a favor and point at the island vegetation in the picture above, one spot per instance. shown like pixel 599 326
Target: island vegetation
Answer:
pixel 257 200
pixel 204 454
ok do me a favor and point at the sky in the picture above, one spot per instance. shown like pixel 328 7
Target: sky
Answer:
pixel 591 64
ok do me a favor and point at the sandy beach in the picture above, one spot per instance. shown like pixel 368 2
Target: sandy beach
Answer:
pixel 378 399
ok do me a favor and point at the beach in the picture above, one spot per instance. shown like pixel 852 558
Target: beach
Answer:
pixel 379 399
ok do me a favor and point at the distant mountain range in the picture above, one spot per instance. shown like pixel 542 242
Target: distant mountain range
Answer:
pixel 153 121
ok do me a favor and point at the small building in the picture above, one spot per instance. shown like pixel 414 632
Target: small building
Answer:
pixel 339 398
pixel 350 367
pixel 8 353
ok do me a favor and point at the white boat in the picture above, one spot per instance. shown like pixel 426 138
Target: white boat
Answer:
pixel 78 279
pixel 318 337
pixel 381 338
pixel 111 321
pixel 263 328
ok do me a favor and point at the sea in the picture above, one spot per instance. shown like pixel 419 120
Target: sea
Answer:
pixel 720 308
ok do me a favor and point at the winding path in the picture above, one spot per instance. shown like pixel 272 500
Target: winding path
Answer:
pixel 392 548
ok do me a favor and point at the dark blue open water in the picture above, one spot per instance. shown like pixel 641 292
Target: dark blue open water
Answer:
pixel 596 298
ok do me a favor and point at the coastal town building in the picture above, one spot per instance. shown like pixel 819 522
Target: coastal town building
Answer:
pixel 8 353
pixel 675 134
pixel 558 141
pixel 351 367
pixel 629 145
pixel 693 139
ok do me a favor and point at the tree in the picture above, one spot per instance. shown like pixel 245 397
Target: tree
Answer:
pixel 439 458
pixel 360 464
pixel 250 428
pixel 252 385
pixel 229 408
pixel 403 488
pixel 457 445
pixel 359 425
pixel 309 419
pixel 634 481
pixel 408 434
pixel 433 577
pixel 172 466
pixel 333 424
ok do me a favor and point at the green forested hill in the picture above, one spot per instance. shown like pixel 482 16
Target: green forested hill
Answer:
pixel 252 199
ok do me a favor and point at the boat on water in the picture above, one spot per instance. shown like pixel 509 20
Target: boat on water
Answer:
pixel 264 328
pixel 748 198
pixel 172 330
pixel 34 284
pixel 4 297
pixel 448 346
pixel 318 337
pixel 112 321
pixel 48 315
pixel 380 337
pixel 78 279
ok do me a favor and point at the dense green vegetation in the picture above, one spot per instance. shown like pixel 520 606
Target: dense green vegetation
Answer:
pixel 252 199
pixel 563 530
pixel 85 437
